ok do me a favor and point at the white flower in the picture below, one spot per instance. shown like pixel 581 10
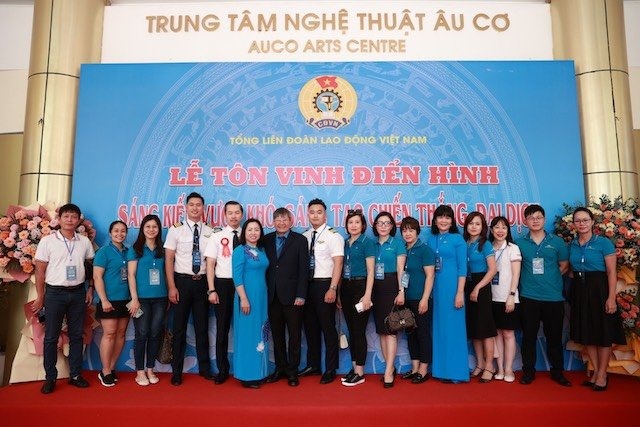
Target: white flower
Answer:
pixel 260 346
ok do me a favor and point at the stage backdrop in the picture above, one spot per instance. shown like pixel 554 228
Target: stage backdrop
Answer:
pixel 403 137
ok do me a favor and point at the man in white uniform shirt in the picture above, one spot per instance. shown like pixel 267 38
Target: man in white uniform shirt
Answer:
pixel 326 253
pixel 221 289
pixel 187 286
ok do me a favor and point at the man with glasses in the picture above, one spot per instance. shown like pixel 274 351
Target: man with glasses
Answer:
pixel 545 258
pixel 287 283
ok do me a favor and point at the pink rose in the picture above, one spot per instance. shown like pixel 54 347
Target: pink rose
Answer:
pixel 9 242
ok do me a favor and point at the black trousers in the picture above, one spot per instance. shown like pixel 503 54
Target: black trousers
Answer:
pixel 224 312
pixel 551 314
pixel 287 317
pixel 351 291
pixel 419 342
pixel 319 322
pixel 193 300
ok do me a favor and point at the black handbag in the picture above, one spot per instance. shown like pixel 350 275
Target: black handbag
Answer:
pixel 399 319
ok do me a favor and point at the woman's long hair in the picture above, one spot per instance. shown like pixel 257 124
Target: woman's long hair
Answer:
pixel 138 245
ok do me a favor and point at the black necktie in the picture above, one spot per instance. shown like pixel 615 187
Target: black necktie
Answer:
pixel 195 252
pixel 236 241
pixel 312 259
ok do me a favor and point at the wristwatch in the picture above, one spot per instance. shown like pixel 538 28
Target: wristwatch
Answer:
pixel 211 291
pixel 512 293
pixel 333 287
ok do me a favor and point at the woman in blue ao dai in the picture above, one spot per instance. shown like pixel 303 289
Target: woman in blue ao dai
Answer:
pixel 250 351
pixel 450 357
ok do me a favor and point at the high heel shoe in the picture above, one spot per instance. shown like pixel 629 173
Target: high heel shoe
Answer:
pixel 587 383
pixel 393 379
pixel 597 387
pixel 487 380
pixel 476 371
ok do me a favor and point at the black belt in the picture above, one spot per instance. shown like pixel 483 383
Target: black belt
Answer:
pixel 190 276
pixel 66 288
pixel 322 280
pixel 355 278
pixel 224 278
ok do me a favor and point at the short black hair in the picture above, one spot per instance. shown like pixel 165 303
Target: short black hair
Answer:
pixel 317 202
pixel 194 195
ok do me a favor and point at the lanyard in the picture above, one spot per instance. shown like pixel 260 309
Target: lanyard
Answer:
pixel 583 249
pixel 122 252
pixel 438 239
pixel 73 245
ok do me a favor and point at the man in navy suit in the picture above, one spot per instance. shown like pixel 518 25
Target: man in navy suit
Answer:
pixel 287 283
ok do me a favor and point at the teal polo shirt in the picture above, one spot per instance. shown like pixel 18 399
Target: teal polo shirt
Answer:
pixel 113 260
pixel 388 253
pixel 548 285
pixel 418 257
pixel 356 255
pixel 590 257
pixel 143 284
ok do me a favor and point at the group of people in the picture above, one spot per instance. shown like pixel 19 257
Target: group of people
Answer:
pixel 479 285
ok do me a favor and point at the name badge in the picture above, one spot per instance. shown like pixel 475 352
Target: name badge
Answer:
pixel 496 279
pixel 379 270
pixel 123 274
pixel 71 272
pixel 538 266
pixel 404 280
pixel 346 273
pixel 154 276
pixel 438 263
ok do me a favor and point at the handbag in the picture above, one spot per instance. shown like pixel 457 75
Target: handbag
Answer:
pixel 399 319
pixel 165 354
pixel 342 338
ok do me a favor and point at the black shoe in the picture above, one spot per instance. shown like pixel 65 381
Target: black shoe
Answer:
pixel 207 376
pixel 309 370
pixel 409 375
pixel 106 380
pixel 275 377
pixel 354 380
pixel 79 382
pixel 388 385
pixel 597 387
pixel 176 379
pixel 587 383
pixel 349 375
pixel 328 377
pixel 221 378
pixel 560 379
pixel 48 386
pixel 293 381
pixel 418 378
pixel 250 384
pixel 527 379
pixel 115 377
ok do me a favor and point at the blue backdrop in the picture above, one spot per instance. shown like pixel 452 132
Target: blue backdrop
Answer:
pixel 397 136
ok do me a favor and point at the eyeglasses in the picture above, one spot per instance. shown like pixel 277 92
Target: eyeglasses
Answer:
pixel 535 218
pixel 354 211
pixel 384 223
pixel 581 221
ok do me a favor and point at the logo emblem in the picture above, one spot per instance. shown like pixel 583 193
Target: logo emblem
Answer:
pixel 327 102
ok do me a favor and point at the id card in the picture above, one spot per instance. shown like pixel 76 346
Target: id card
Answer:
pixel 154 276
pixel 538 266
pixel 404 280
pixel 71 272
pixel 496 279
pixel 123 274
pixel 346 273
pixel 438 263
pixel 379 270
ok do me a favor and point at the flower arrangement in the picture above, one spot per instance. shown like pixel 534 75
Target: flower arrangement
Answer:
pixel 20 232
pixel 629 307
pixel 617 219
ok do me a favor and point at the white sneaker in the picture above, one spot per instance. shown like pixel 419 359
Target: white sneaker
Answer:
pixel 509 378
pixel 499 376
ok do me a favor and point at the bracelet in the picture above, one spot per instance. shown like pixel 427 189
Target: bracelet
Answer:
pixel 211 291
pixel 333 287
pixel 512 293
